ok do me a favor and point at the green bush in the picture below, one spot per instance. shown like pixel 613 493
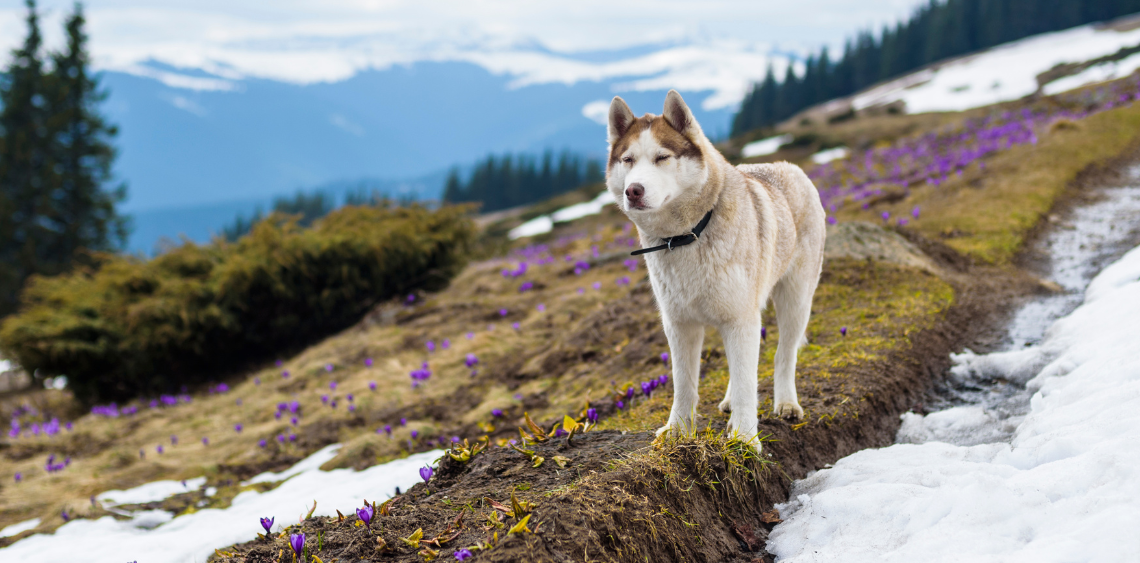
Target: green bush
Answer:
pixel 130 326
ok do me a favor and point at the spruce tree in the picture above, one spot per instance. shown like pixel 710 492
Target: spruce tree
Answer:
pixel 84 213
pixel 55 160
pixel 24 161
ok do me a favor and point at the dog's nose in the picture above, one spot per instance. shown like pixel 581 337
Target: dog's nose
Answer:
pixel 635 192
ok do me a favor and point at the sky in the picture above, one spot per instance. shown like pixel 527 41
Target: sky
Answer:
pixel 330 40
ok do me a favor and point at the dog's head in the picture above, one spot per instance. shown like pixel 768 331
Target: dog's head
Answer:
pixel 655 160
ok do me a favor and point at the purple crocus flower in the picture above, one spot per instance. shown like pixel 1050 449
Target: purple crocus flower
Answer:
pixel 63 514
pixel 411 298
pixel 463 554
pixel 257 381
pixel 426 473
pixel 471 361
pixel 372 385
pixel 205 441
pixel 597 285
pixel 592 414
pixel 297 542
pixel 430 346
pixel 886 216
pixel 665 357
pixel 367 362
pixel 470 335
pixel 415 434
pixel 292 437
pixel 173 440
pixel 497 413
pixel 646 388
pixel 278 363
pixel 629 394
pixel 403 422
pixel 541 307
pixel 329 368
pixel 332 385
pixel 281 438
pixel 831 220
pixel 365 514
pixel 515 325
pixel 620 405
pixel 262 443
pixel 19 476
pixel 293 421
pixel 388 430
pixel 237 428
pixel 348 397
pixel 285 374
pixel 502 312
pixel 446 343
pixel 843 331
pixel 325 399
pixel 267 523
pixel 277 415
pixel 158 449
pixel 914 213
pixel 763 333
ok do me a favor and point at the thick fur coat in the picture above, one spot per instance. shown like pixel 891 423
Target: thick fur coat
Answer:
pixel 764 241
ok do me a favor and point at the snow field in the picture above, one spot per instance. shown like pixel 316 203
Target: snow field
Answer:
pixel 1066 488
pixel 1008 72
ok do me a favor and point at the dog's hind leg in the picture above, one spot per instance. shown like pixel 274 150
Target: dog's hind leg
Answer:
pixel 742 346
pixel 792 297
pixel 685 353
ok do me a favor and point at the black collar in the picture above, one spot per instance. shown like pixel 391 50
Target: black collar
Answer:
pixel 679 240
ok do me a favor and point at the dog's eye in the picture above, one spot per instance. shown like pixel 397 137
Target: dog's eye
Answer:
pixel 627 159
pixel 661 158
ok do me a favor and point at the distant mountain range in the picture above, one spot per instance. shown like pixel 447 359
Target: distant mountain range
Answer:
pixel 198 148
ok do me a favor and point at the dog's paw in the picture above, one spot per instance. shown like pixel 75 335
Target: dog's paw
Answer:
pixel 663 430
pixel 725 406
pixel 745 433
pixel 789 410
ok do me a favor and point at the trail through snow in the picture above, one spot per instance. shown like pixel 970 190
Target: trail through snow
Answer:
pixel 1042 463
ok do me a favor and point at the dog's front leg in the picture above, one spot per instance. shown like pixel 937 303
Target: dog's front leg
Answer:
pixel 742 346
pixel 685 353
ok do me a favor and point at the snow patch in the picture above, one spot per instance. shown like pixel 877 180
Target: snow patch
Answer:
pixel 545 223
pixel 823 157
pixel 150 492
pixel 1097 73
pixel 1065 488
pixel 765 147
pixel 19 528
pixel 193 537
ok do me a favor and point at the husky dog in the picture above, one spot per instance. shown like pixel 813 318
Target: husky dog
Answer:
pixel 728 238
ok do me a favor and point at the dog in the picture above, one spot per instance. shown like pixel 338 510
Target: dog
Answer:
pixel 719 241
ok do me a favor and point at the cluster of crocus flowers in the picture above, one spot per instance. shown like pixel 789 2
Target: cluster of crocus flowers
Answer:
pixel 519 272
pixel 52 466
pixel 526 286
pixel 418 375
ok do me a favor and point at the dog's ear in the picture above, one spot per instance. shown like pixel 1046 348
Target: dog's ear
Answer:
pixel 678 115
pixel 621 117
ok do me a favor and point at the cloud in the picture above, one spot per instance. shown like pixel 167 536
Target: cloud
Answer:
pixel 716 45
pixel 597 111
